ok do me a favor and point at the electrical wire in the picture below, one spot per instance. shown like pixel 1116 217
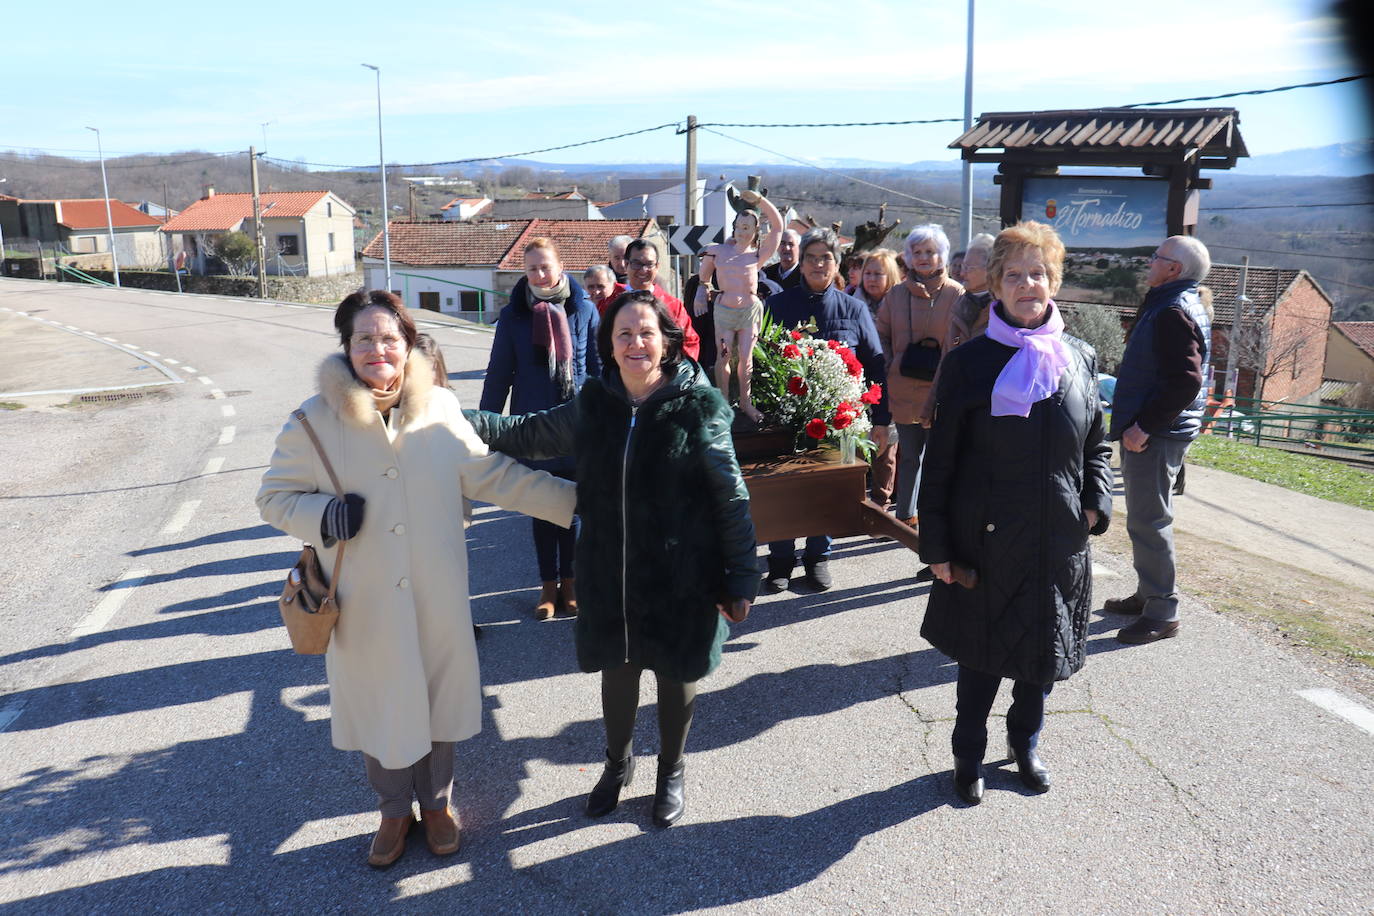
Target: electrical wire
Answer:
pixel 1232 95
pixel 428 165
pixel 1292 254
pixel 1366 203
pixel 157 160
pixel 933 204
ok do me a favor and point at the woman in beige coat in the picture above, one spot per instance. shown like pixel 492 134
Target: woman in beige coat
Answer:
pixel 915 315
pixel 402 663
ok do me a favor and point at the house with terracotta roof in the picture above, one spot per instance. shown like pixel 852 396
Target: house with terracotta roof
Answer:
pixel 450 266
pixel 80 226
pixel 465 208
pixel 1350 351
pixel 305 233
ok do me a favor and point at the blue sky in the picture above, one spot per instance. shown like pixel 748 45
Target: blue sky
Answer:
pixel 481 79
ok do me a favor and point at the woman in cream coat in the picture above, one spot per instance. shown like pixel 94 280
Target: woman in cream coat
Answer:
pixel 402 663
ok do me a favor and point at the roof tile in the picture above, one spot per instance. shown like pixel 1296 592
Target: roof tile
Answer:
pixel 226 212
pixel 500 243
pixel 1361 333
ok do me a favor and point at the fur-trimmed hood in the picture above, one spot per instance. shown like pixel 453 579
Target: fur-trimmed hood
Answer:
pixel 352 400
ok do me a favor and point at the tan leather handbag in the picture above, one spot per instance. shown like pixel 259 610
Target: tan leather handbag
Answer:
pixel 307 602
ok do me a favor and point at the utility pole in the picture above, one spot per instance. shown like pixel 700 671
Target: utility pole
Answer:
pixel 1233 342
pixel 691 215
pixel 258 242
pixel 109 220
pixel 966 192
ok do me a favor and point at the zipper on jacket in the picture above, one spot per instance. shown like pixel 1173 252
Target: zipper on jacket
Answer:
pixel 625 530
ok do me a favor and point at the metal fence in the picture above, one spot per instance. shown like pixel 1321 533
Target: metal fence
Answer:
pixel 1334 432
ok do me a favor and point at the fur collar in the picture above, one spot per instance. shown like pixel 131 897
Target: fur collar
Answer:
pixel 347 396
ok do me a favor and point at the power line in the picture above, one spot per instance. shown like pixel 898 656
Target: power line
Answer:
pixel 157 159
pixel 1232 95
pixel 703 125
pixel 1292 254
pixel 429 165
pixel 931 203
pixel 1343 283
pixel 1365 203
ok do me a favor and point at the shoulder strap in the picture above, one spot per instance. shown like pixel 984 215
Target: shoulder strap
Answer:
pixel 338 494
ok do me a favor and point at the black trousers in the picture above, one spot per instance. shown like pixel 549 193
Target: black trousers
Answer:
pixel 620 704
pixel 975 694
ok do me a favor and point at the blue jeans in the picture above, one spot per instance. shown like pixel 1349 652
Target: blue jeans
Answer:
pixel 784 553
pixel 911 444
pixel 975 693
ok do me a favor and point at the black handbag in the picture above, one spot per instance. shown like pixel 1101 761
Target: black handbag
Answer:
pixel 921 358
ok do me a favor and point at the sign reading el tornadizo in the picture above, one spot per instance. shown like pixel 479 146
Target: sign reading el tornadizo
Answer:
pixel 1110 226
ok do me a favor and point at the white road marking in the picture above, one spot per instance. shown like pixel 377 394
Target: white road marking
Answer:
pixel 71 327
pixel 226 435
pixel 461 331
pixel 182 518
pixel 109 340
pixel 1338 705
pixel 111 603
pixel 187 369
pixel 171 362
pixel 204 381
pixel 25 314
pixel 151 353
pixel 227 409
pixel 213 466
pixel 216 393
pixel 11 712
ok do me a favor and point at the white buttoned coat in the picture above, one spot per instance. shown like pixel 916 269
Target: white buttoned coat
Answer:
pixel 402 662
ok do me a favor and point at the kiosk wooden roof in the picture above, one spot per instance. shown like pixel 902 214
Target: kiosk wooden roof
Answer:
pixel 1172 143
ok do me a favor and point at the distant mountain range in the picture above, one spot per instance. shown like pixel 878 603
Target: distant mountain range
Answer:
pixel 1339 160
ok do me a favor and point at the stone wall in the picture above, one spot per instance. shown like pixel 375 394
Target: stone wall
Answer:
pixel 327 290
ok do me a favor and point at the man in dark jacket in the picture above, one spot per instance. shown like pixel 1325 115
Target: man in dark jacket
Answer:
pixel 785 271
pixel 838 317
pixel 1161 391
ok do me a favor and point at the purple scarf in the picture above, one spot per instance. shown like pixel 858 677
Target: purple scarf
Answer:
pixel 1032 374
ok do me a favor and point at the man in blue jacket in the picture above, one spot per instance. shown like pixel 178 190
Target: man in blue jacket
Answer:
pixel 1161 390
pixel 838 317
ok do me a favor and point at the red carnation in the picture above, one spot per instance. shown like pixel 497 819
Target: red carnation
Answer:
pixel 815 428
pixel 796 386
pixel 791 351
pixel 834 344
pixel 810 351
pixel 873 395
pixel 796 335
pixel 842 419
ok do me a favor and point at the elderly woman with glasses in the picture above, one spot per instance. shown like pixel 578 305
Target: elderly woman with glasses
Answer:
pixel 402 663
pixel 1017 476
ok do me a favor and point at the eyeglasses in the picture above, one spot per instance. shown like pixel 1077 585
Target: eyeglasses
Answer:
pixel 368 341
pixel 643 265
pixel 1159 257
pixel 819 260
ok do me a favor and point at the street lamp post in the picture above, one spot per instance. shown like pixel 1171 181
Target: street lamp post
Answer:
pixel 109 217
pixel 381 168
pixel 2 237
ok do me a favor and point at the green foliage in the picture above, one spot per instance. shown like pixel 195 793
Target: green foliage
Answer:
pixel 1098 326
pixel 1320 477
pixel 236 249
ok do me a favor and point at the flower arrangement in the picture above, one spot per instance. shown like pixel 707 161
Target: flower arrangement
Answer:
pixel 814 387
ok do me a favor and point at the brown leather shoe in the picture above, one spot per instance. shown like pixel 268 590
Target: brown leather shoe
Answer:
pixel 567 596
pixel 1146 630
pixel 548 600
pixel 441 831
pixel 390 840
pixel 1130 606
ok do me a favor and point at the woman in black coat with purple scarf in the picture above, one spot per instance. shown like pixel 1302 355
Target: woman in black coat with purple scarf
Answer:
pixel 544 349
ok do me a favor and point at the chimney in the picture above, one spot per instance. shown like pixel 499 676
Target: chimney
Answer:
pixel 209 192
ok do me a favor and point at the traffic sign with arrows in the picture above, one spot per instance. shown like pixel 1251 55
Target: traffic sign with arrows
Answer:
pixel 691 239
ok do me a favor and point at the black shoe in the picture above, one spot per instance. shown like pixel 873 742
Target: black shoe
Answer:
pixel 1034 775
pixel 968 780
pixel 779 578
pixel 606 795
pixel 1146 630
pixel 925 575
pixel 669 803
pixel 1130 606
pixel 818 575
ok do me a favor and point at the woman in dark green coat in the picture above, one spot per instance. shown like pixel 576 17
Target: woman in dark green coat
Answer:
pixel 667 544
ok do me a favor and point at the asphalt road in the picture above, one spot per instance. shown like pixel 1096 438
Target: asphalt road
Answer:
pixel 162 750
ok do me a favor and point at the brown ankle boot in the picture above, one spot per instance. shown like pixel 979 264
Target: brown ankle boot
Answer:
pixel 548 599
pixel 441 831
pixel 390 840
pixel 567 596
